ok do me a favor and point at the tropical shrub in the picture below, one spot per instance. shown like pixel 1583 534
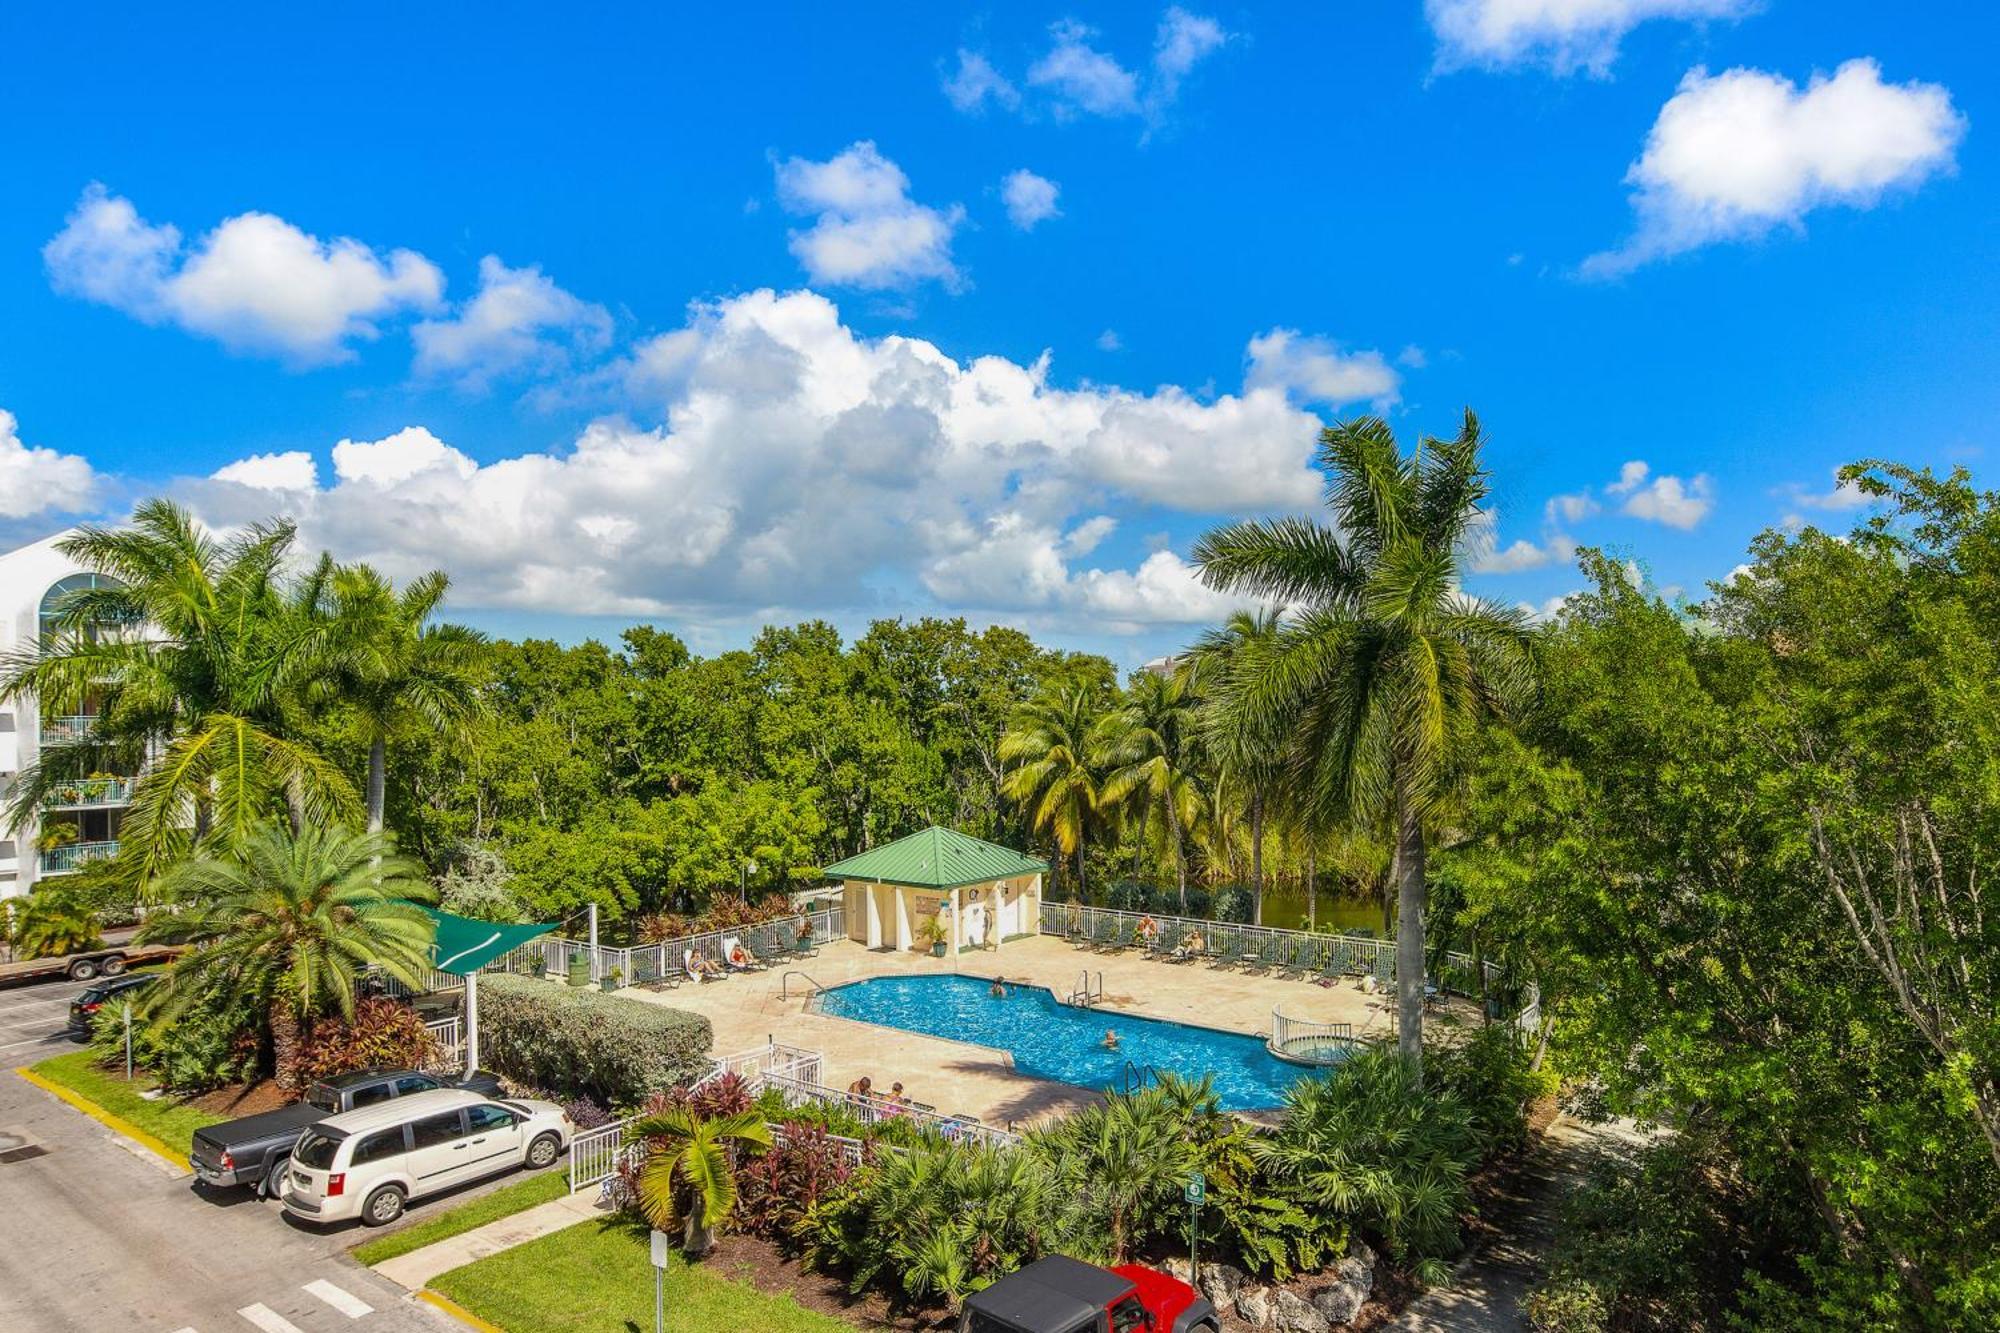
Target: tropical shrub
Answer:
pixel 382 1034
pixel 1124 1160
pixel 1230 902
pixel 480 886
pixel 213 1043
pixel 1491 1075
pixel 1370 1142
pixel 53 922
pixel 577 1041
pixel 940 1221
pixel 777 1188
pixel 684 1175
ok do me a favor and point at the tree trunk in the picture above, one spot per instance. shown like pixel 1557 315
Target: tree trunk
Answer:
pixel 285 1038
pixel 378 768
pixel 1410 935
pixel 1082 880
pixel 1257 859
pixel 1180 863
pixel 1312 885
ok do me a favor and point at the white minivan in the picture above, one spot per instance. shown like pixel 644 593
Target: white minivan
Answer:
pixel 369 1163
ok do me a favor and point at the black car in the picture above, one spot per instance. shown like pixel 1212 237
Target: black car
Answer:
pixel 112 991
pixel 254 1149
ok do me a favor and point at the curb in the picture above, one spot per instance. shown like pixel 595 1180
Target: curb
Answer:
pixel 103 1117
pixel 457 1311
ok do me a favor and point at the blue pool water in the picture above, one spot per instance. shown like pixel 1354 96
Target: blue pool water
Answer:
pixel 1053 1040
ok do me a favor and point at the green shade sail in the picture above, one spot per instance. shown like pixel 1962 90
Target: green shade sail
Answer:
pixel 937 858
pixel 465 945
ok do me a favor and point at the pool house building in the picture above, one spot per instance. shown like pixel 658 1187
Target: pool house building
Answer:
pixel 979 893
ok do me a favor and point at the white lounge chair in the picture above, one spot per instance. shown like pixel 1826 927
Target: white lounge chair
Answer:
pixel 695 974
pixel 730 944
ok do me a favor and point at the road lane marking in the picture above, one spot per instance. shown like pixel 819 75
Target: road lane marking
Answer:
pixel 344 1301
pixel 264 1317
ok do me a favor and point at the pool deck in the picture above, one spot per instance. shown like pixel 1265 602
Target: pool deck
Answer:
pixel 746 1011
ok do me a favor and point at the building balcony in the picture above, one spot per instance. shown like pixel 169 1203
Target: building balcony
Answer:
pixel 66 730
pixel 62 860
pixel 90 793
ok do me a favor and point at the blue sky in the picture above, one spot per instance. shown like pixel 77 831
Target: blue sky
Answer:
pixel 757 313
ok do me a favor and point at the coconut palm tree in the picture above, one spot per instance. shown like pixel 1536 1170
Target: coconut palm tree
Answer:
pixel 687 1181
pixel 401 674
pixel 1243 762
pixel 1383 664
pixel 1054 777
pixel 189 657
pixel 290 922
pixel 1150 744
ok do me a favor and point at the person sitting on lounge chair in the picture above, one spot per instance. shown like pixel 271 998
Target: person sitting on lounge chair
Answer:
pixel 861 1087
pixel 739 955
pixel 896 1097
pixel 701 969
pixel 1192 946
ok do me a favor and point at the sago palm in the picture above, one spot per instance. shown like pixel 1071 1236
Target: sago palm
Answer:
pixel 400 673
pixel 290 922
pixel 190 656
pixel 686 1180
pixel 1151 746
pixel 1383 664
pixel 1052 776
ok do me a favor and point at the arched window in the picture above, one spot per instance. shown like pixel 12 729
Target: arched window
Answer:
pixel 62 590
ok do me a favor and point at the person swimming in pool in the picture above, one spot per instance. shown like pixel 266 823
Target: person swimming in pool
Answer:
pixel 1110 1040
pixel 998 990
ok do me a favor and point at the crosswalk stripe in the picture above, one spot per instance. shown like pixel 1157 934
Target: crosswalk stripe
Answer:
pixel 344 1301
pixel 264 1317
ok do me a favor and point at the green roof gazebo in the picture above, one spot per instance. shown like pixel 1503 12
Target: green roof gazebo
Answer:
pixel 983 893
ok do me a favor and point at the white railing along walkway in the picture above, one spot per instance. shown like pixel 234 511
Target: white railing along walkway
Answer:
pixel 449 1035
pixel 1310 1041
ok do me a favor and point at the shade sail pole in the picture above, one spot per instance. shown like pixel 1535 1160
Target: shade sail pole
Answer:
pixel 471 1023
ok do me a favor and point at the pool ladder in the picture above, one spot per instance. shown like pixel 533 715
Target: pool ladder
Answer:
pixel 1083 997
pixel 785 983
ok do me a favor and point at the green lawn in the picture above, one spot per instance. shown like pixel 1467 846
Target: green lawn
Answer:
pixel 597 1275
pixel 166 1120
pixel 517 1197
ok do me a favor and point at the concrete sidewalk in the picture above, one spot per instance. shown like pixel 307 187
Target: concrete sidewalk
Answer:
pixel 416 1269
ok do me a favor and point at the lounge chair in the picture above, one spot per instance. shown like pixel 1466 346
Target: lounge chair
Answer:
pixel 694 974
pixel 730 944
pixel 1228 952
pixel 1105 937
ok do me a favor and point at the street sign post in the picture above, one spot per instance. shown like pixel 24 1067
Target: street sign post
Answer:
pixel 128 1041
pixel 660 1257
pixel 1194 1192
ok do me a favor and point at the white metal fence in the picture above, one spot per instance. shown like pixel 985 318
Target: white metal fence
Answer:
pixel 449 1035
pixel 1310 1041
pixel 644 964
pixel 1231 944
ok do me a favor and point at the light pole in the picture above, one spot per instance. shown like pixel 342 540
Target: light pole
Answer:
pixel 743 874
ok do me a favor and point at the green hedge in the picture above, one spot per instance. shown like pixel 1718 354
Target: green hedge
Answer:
pixel 585 1042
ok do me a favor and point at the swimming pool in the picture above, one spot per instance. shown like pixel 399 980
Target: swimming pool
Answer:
pixel 1052 1040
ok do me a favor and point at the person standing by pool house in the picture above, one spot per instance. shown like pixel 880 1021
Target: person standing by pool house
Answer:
pixel 944 874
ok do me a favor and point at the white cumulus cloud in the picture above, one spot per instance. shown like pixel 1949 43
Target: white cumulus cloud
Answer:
pixel 976 82
pixel 1083 79
pixel 293 470
pixel 1029 198
pixel 1522 555
pixel 1663 499
pixel 1734 155
pixel 36 480
pixel 798 465
pixel 868 233
pixel 1563 35
pixel 1316 370
pixel 518 321
pixel 1075 77
pixel 255 284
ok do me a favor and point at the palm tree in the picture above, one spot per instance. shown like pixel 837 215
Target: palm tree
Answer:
pixel 1150 745
pixel 190 658
pixel 687 1180
pixel 290 921
pixel 1054 778
pixel 401 674
pixel 1383 664
pixel 1241 760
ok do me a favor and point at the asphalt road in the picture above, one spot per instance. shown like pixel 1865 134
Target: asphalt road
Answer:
pixel 97 1234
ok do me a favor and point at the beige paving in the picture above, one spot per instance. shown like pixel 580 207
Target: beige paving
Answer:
pixel 748 1009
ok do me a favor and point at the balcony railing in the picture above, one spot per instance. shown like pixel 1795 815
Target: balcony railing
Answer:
pixel 59 860
pixel 66 730
pixel 90 792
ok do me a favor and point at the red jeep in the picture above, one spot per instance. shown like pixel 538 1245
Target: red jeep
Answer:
pixel 1062 1295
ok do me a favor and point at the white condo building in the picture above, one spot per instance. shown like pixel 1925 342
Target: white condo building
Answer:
pixel 80 820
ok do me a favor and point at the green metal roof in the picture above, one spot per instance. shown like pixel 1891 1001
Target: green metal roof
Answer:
pixel 937 858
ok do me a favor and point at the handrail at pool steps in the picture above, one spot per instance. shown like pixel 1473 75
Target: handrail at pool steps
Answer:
pixel 1306 1041
pixel 785 982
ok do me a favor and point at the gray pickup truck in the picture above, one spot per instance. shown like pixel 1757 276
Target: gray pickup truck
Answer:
pixel 253 1150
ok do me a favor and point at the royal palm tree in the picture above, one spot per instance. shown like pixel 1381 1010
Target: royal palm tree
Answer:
pixel 1150 744
pixel 401 674
pixel 1053 776
pixel 289 922
pixel 687 1181
pixel 1243 759
pixel 1383 664
pixel 190 657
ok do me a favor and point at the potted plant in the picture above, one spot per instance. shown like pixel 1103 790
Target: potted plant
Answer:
pixel 56 835
pixel 933 935
pixel 611 982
